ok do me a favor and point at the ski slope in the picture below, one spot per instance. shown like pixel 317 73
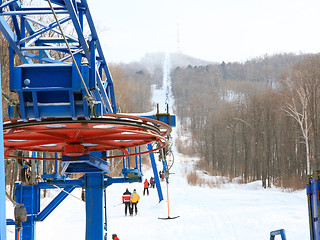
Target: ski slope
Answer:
pixel 232 212
pixel 229 212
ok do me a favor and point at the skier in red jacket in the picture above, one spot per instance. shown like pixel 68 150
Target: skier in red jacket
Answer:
pixel 146 187
pixel 126 200
pixel 114 237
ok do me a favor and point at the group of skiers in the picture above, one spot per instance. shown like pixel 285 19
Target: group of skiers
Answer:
pixel 146 185
pixel 131 200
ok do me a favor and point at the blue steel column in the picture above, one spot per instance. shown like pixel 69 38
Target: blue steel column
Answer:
pixel 3 230
pixel 155 173
pixel 29 195
pixel 94 184
pixel 313 205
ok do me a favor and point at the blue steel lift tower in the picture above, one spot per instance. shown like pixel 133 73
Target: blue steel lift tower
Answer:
pixel 67 108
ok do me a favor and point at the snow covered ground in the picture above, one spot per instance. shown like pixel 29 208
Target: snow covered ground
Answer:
pixel 229 212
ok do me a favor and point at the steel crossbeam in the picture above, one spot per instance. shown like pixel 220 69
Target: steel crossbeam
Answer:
pixel 44 29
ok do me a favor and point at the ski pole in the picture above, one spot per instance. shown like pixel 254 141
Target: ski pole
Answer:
pixel 117 204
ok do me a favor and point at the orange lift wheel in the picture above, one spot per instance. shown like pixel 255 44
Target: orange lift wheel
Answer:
pixel 78 137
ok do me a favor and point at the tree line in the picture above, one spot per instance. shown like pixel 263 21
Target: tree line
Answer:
pixel 257 120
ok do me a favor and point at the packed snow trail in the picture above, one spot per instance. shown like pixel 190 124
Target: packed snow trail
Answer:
pixel 229 212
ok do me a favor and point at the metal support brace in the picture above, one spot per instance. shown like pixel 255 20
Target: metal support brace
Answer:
pixel 155 173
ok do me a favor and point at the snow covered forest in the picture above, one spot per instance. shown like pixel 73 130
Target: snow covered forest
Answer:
pixel 257 120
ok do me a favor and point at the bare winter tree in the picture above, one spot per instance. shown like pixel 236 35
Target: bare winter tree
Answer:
pixel 297 108
pixel 302 93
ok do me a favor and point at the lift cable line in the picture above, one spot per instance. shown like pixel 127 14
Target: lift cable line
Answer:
pixel 62 190
pixel 12 201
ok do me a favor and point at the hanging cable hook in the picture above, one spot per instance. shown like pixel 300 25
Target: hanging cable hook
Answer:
pixel 14 103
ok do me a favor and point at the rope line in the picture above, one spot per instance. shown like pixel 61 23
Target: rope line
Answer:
pixel 13 202
pixel 61 189
pixel 12 102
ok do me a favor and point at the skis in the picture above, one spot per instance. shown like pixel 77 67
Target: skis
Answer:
pixel 168 218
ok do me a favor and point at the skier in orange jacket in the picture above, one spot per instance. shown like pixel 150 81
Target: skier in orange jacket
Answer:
pixel 134 201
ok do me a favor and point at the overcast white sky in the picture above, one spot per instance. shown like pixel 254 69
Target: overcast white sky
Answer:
pixel 215 30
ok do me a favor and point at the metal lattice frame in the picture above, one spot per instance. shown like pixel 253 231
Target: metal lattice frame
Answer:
pixel 29 35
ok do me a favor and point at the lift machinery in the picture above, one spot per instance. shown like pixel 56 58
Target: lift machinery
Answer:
pixel 66 107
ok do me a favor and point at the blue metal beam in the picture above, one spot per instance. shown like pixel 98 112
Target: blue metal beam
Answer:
pixel 7 3
pixel 11 38
pixel 32 8
pixel 94 35
pixel 77 26
pixel 313 207
pixel 94 185
pixel 61 184
pixel 15 23
pixel 23 13
pixel 104 96
pixel 44 29
pixel 54 30
pixel 43 40
pixel 30 28
pixel 44 59
pixel 155 173
pixel 48 47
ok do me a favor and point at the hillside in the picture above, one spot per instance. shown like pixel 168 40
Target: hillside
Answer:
pixel 240 118
pixel 153 61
